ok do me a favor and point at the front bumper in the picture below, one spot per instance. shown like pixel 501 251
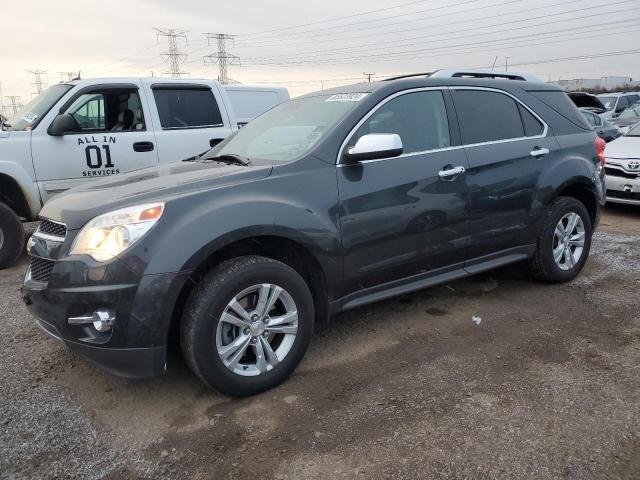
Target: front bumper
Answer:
pixel 142 304
pixel 623 190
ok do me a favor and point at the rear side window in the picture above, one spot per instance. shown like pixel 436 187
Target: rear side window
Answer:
pixel 486 116
pixel 187 108
pixel 561 103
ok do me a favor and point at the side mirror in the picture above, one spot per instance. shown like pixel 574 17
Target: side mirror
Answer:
pixel 63 123
pixel 374 146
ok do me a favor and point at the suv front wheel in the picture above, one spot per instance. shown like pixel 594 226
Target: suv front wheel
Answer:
pixel 247 325
pixel 565 241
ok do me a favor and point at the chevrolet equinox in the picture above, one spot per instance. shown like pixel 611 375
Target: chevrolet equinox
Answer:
pixel 325 203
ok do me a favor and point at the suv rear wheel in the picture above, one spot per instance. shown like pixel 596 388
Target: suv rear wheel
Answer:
pixel 565 241
pixel 247 325
pixel 11 237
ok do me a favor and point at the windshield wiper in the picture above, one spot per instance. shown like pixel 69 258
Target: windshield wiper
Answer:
pixel 229 158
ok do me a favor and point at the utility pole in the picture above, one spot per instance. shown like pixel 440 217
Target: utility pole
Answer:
pixel 506 64
pixel 222 57
pixel 368 76
pixel 15 103
pixel 2 111
pixel 494 63
pixel 173 55
pixel 37 80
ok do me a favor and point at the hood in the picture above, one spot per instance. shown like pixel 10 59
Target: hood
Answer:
pixel 586 100
pixel 623 148
pixel 77 206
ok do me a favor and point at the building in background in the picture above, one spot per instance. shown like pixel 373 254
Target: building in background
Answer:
pixel 604 83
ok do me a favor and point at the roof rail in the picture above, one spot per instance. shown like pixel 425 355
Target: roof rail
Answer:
pixel 409 75
pixel 471 73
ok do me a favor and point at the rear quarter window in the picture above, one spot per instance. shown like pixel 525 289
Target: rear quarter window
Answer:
pixel 561 103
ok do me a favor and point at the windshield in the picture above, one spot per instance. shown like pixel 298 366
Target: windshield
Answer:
pixel 630 112
pixel 289 130
pixel 634 131
pixel 608 102
pixel 30 115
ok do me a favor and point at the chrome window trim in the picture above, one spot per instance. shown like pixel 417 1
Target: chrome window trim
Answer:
pixel 544 133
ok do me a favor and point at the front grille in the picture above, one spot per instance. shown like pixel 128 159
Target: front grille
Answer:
pixel 623 195
pixel 41 268
pixel 52 228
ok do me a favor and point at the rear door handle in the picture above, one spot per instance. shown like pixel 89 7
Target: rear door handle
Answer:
pixel 143 146
pixel 449 171
pixel 538 152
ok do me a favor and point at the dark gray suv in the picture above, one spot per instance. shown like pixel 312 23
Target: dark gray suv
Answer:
pixel 325 203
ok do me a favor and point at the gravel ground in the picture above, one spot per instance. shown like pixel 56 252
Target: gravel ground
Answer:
pixel 546 386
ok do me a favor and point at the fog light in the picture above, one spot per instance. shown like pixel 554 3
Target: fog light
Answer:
pixel 102 320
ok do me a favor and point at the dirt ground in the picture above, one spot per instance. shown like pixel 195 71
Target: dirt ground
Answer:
pixel 546 386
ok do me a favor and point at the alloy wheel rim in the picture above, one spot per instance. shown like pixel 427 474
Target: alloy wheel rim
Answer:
pixel 257 329
pixel 568 241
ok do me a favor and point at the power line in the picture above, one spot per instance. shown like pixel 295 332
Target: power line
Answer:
pixel 222 58
pixel 334 19
pixel 361 22
pixel 427 52
pixel 448 35
pixel 173 55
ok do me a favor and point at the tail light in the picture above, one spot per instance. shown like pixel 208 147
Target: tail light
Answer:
pixel 600 146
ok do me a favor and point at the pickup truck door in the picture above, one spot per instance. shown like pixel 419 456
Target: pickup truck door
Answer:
pixel 189 118
pixel 113 136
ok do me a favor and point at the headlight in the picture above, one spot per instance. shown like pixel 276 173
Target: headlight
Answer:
pixel 108 235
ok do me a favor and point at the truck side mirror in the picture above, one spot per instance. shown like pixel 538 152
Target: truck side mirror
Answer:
pixel 62 124
pixel 374 146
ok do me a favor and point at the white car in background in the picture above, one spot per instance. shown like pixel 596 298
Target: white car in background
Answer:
pixel 623 168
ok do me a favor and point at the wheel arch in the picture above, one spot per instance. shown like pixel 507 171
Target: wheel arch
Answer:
pixel 285 249
pixel 585 194
pixel 12 195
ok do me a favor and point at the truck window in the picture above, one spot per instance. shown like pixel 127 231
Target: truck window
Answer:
pixel 180 107
pixel 108 110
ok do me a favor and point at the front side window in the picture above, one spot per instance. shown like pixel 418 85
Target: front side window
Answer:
pixel 622 104
pixel 88 112
pixel 487 116
pixel 631 112
pixel 187 107
pixel 419 118
pixel 108 110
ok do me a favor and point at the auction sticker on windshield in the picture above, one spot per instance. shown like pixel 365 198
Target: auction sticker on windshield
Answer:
pixel 346 97
pixel 29 117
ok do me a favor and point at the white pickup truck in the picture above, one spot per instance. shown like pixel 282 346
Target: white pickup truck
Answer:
pixel 93 128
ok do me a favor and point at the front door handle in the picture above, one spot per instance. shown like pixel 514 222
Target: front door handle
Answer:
pixel 449 171
pixel 143 147
pixel 538 152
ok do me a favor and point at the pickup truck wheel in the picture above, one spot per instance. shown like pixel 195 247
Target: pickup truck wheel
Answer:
pixel 565 241
pixel 247 325
pixel 11 237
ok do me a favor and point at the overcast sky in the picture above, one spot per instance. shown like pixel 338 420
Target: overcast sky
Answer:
pixel 308 45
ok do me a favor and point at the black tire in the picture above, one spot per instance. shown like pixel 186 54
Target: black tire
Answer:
pixel 542 264
pixel 206 305
pixel 11 237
